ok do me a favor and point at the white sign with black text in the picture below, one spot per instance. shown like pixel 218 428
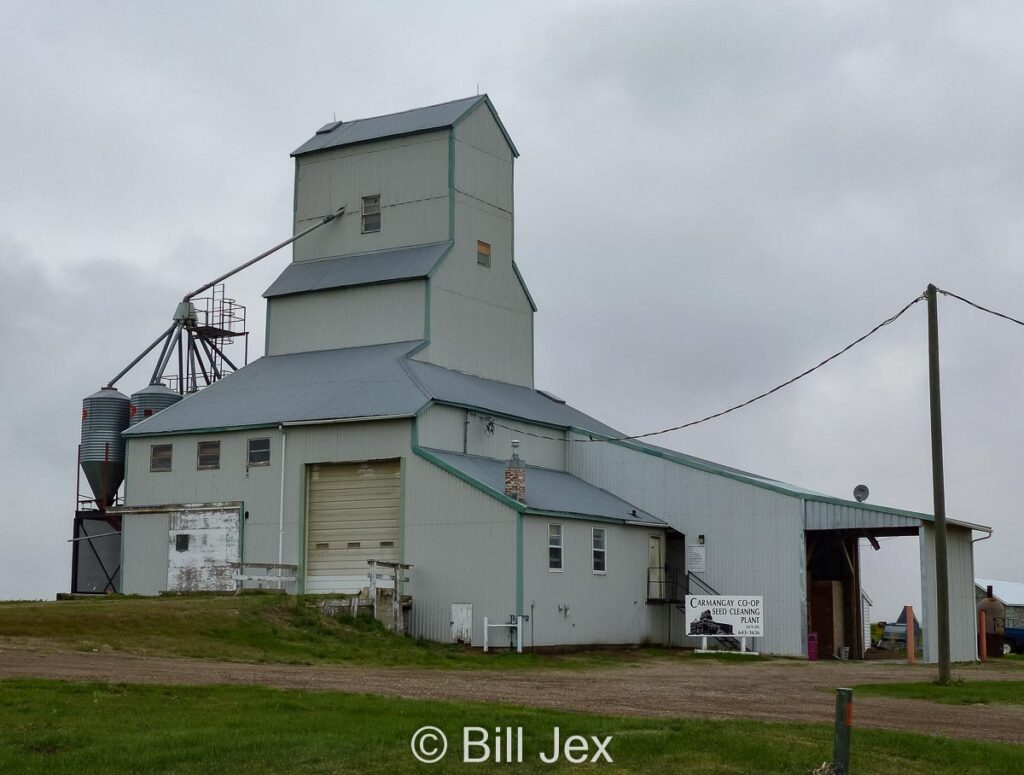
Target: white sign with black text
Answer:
pixel 724 616
pixel 696 558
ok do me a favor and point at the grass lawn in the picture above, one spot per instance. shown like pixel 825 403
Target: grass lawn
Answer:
pixel 54 727
pixel 256 628
pixel 959 693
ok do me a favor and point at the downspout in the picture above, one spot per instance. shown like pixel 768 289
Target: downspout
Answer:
pixel 280 512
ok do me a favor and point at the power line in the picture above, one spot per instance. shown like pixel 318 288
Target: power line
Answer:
pixel 983 309
pixel 748 402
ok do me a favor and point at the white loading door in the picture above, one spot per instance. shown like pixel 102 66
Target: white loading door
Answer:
pixel 462 622
pixel 353 516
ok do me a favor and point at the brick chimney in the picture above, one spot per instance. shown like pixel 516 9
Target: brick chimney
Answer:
pixel 515 475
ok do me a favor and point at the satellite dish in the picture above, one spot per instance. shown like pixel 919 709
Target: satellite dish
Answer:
pixel 861 492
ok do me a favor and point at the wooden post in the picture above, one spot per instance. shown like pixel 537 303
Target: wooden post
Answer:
pixel 908 614
pixel 844 723
pixel 938 488
pixel 982 638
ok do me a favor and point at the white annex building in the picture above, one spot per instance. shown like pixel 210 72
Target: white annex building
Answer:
pixel 379 426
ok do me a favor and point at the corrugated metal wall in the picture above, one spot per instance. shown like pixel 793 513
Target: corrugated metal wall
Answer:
pixel 833 516
pixel 259 487
pixel 409 173
pixel 346 317
pixel 754 537
pixel 610 608
pixel 963 629
pixel 462 545
pixel 481 320
pixel 144 539
pixel 446 428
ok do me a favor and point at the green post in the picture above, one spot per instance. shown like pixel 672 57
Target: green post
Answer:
pixel 844 723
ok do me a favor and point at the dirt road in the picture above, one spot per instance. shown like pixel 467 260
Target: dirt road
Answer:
pixel 776 690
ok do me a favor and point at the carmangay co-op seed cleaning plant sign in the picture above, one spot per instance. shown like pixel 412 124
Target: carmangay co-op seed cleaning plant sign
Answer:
pixel 739 616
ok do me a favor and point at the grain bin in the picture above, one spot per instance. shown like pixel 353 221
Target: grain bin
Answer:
pixel 104 417
pixel 150 400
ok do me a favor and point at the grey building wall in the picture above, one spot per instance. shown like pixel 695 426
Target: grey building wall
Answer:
pixel 481 319
pixel 462 544
pixel 963 622
pixel 460 430
pixel 754 536
pixel 409 173
pixel 259 488
pixel 346 317
pixel 602 608
pixel 144 540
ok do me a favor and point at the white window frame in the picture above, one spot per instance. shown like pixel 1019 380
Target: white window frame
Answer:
pixel 559 545
pixel 366 210
pixel 603 550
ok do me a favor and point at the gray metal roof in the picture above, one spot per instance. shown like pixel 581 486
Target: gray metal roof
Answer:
pixel 340 133
pixel 456 387
pixel 1010 592
pixel 549 491
pixel 379 266
pixel 325 385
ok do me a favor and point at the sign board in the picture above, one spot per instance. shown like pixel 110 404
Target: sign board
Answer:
pixel 724 616
pixel 696 558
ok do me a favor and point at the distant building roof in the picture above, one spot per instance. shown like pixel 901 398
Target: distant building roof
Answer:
pixel 1010 592
pixel 337 134
pixel 379 266
pixel 549 491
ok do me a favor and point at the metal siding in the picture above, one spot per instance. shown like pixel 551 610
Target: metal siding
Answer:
pixel 479 338
pixel 351 317
pixel 445 427
pixel 144 564
pixel 259 487
pixel 462 545
pixel 411 176
pixel 832 516
pixel 609 608
pixel 963 632
pixel 351 503
pixel 480 131
pixel 754 537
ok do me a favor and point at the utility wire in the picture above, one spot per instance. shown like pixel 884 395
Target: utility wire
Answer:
pixel 748 402
pixel 983 309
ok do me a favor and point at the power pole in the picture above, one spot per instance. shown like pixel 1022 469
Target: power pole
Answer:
pixel 938 488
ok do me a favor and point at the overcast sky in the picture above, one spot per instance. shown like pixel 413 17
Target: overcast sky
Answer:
pixel 711 197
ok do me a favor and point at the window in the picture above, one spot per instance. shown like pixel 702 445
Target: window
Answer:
pixel 209 454
pixel 554 547
pixel 160 457
pixel 600 550
pixel 483 253
pixel 181 542
pixel 371 214
pixel 259 452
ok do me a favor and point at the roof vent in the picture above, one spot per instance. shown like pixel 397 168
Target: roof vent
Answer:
pixel 326 129
pixel 551 396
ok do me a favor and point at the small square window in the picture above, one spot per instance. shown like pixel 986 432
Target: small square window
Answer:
pixel 554 547
pixel 600 550
pixel 259 452
pixel 160 457
pixel 483 253
pixel 208 454
pixel 371 214
pixel 181 542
